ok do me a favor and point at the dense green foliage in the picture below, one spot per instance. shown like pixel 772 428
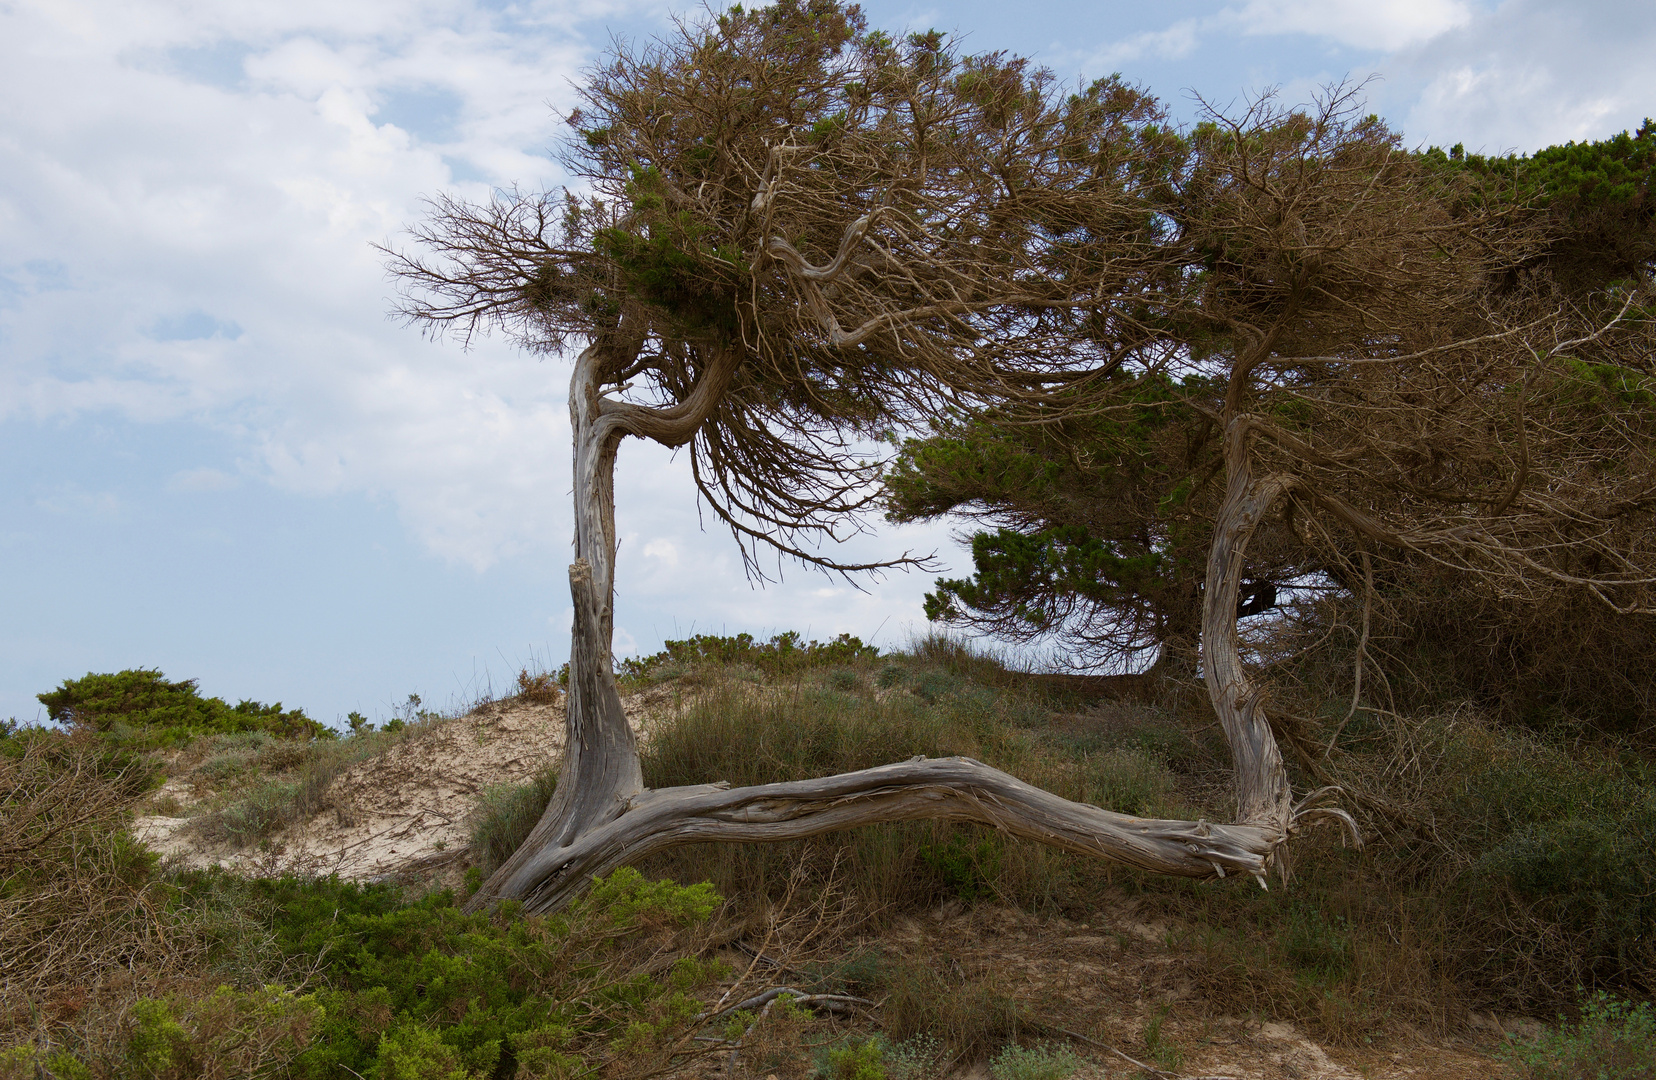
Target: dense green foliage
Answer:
pixel 1598 200
pixel 141 707
pixel 495 994
pixel 1102 522
pixel 784 653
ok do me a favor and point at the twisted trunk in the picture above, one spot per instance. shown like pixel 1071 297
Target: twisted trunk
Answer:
pixel 601 817
pixel 600 769
pixel 1262 792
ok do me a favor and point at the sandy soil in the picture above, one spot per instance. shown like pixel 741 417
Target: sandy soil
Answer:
pixel 403 815
pixel 1112 976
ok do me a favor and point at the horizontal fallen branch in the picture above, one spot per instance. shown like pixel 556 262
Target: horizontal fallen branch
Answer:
pixel 954 788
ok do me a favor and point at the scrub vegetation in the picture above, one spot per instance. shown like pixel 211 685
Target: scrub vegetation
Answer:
pixel 117 965
pixel 1343 448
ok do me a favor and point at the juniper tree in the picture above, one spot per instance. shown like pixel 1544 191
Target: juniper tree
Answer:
pixel 1099 520
pixel 1396 390
pixel 1101 526
pixel 793 232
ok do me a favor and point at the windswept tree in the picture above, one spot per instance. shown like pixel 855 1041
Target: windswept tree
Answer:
pixel 1397 390
pixel 794 233
pixel 1551 648
pixel 1406 280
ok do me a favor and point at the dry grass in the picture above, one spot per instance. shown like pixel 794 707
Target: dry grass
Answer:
pixel 256 786
pixel 88 928
pixel 76 904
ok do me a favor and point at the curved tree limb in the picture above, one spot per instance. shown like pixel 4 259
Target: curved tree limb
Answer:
pixel 953 789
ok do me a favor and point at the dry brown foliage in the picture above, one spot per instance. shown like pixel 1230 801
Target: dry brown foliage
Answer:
pixel 76 911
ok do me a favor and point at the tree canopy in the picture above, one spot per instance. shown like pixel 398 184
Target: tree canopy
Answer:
pixel 1404 438
pixel 1295 347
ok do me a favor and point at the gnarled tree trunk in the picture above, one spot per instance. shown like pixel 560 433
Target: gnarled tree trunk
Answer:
pixel 1262 792
pixel 601 817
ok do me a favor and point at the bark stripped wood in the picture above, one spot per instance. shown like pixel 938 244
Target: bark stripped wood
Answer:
pixel 949 789
pixel 1262 793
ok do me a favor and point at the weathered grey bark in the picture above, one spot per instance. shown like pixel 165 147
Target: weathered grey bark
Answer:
pixel 957 789
pixel 600 769
pixel 601 817
pixel 1262 792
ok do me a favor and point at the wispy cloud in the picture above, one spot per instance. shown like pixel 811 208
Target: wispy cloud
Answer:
pixel 190 197
pixel 202 480
pixel 1530 73
pixel 1383 25
pixel 1173 43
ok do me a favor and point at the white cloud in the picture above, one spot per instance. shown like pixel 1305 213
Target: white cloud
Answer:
pixel 202 480
pixel 662 549
pixel 1531 73
pixel 1173 43
pixel 1362 24
pixel 178 246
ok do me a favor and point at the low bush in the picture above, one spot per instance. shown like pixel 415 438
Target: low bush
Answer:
pixel 1044 1061
pixel 783 654
pixel 372 984
pixel 1613 1040
pixel 140 707
pixel 421 988
pixel 89 927
pixel 854 1058
pixel 74 888
pixel 1538 854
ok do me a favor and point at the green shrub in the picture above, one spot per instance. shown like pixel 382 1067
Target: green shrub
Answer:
pixel 843 679
pixel 140 706
pixel 229 1033
pixel 1552 850
pixel 933 686
pixel 915 1058
pixel 1613 1040
pixel 890 675
pixel 966 869
pixel 854 1059
pixel 401 978
pixel 783 654
pixel 415 1052
pixel 1045 1061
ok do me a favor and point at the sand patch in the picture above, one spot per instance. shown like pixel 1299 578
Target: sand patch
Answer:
pixel 406 810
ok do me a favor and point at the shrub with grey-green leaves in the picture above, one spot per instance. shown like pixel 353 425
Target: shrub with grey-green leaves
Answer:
pixel 1044 1061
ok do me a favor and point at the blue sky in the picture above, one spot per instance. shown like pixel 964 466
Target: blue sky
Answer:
pixel 219 457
